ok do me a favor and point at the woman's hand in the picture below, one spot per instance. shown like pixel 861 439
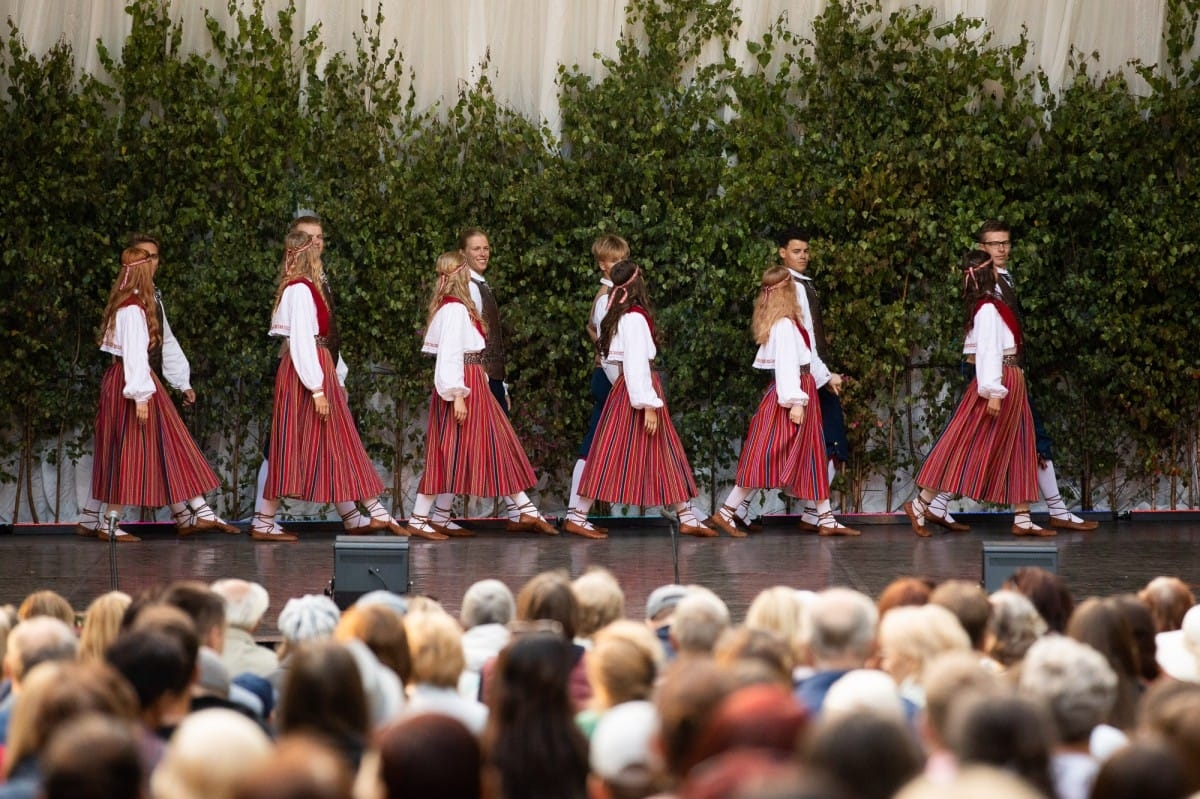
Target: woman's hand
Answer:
pixel 322 404
pixel 993 407
pixel 460 409
pixel 143 412
pixel 796 414
pixel 651 421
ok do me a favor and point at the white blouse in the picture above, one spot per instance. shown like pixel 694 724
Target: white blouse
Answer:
pixel 820 371
pixel 450 336
pixel 632 346
pixel 600 306
pixel 785 352
pixel 295 319
pixel 993 340
pixel 128 338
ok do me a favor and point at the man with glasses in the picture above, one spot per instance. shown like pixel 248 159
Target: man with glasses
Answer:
pixel 995 238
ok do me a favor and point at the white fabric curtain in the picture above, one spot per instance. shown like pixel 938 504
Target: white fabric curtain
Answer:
pixel 447 42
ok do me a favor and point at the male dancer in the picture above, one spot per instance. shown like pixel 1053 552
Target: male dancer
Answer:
pixel 995 238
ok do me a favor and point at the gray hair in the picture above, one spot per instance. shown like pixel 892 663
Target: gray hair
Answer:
pixel 1073 680
pixel 1014 625
pixel 39 640
pixel 487 602
pixel 843 624
pixel 700 618
pixel 245 602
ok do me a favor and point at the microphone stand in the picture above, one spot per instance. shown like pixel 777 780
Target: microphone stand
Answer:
pixel 112 550
pixel 673 524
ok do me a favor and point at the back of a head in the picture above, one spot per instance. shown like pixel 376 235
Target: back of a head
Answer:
pixel 41 639
pixel 601 600
pixel 1013 626
pixel 202 604
pixel 429 755
pixel 1168 599
pixel 972 782
pixel 1145 769
pixel 780 610
pixel 843 623
pixel 912 636
pixel 102 623
pixel 949 678
pixel 154 662
pixel 47 603
pixel 323 693
pixel 92 757
pixel 549 596
pixel 623 663
pixel 700 618
pixel 864 691
pixel 903 592
pixel 487 602
pixel 209 753
pixel 1005 731
pixel 755 656
pixel 245 602
pixel 382 630
pixel 872 756
pixel 1073 680
pixel 622 751
pixel 969 603
pixel 301 767
pixel 688 694
pixel 764 717
pixel 312 617
pixel 1047 591
pixel 435 647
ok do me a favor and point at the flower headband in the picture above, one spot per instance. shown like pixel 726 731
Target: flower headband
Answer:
pixel 291 255
pixel 126 267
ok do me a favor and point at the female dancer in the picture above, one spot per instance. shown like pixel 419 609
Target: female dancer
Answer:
pixel 987 451
pixel 470 446
pixel 785 446
pixel 144 454
pixel 316 454
pixel 636 457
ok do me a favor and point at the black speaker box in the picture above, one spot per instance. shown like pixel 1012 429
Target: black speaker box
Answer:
pixel 1001 560
pixel 362 564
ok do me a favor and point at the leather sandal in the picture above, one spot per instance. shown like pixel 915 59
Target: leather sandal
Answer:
pixel 915 519
pixel 942 521
pixel 1083 526
pixel 121 536
pixel 834 527
pixel 269 534
pixel 584 530
pixel 417 528
pixel 718 522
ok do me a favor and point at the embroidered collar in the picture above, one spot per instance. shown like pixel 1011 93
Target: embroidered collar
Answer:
pixel 797 276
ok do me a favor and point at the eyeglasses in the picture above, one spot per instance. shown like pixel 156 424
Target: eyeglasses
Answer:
pixel 1005 243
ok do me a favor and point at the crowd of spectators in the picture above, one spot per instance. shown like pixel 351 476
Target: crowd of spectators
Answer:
pixel 928 690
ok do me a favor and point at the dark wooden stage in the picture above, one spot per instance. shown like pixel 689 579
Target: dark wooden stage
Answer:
pixel 1121 556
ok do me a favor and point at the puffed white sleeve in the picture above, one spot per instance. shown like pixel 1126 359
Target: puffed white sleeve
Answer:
pixel 789 348
pixel 989 352
pixel 133 337
pixel 176 368
pixel 301 313
pixel 342 370
pixel 635 335
pixel 449 378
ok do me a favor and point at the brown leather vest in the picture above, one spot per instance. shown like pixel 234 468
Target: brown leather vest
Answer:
pixel 493 349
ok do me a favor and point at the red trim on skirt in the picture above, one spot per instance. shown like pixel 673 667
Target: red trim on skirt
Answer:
pixel 627 465
pixel 313 459
pixel 152 464
pixel 987 459
pixel 481 457
pixel 779 454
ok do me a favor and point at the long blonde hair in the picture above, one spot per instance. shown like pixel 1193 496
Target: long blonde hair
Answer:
pixel 136 278
pixel 300 260
pixel 454 280
pixel 776 300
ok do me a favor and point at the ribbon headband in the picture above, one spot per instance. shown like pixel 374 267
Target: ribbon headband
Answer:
pixel 970 274
pixel 637 270
pixel 126 267
pixel 291 255
pixel 444 278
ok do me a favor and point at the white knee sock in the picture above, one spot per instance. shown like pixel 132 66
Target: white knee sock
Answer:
pixel 440 514
pixel 737 497
pixel 261 486
pixel 576 476
pixel 514 506
pixel 89 514
pixel 939 505
pixel 351 516
pixel 687 514
pixel 1048 485
pixel 422 506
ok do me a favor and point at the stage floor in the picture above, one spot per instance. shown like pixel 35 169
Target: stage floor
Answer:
pixel 1121 556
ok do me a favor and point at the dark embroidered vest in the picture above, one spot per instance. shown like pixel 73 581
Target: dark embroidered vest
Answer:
pixel 493 350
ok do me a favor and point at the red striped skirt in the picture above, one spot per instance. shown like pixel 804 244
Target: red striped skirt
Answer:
pixel 987 459
pixel 628 466
pixel 481 457
pixel 779 454
pixel 311 459
pixel 152 464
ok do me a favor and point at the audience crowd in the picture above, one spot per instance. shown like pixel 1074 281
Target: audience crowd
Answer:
pixel 929 690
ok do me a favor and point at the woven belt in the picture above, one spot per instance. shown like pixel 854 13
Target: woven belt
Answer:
pixel 1011 360
pixel 322 341
pixel 473 358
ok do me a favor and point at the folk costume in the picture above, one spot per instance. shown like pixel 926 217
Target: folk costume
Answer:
pixel 625 463
pixel 600 387
pixel 481 456
pixel 151 464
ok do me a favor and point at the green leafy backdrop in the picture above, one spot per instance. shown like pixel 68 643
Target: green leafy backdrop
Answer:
pixel 891 137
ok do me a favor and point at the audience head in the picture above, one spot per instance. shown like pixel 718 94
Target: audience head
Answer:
pixel 1168 599
pixel 1013 627
pixel 690 691
pixel 548 596
pixel 487 602
pixel 102 624
pixel 435 647
pixel 323 694
pixel 870 755
pixel 623 756
pixel 949 678
pixel 1071 679
pixel 312 617
pixel 624 663
pixel 1178 651
pixel 301 767
pixel 1006 731
pixel 245 603
pixel 601 600
pixel 208 755
pixel 37 640
pixel 700 618
pixel 204 606
pixel 843 625
pixel 910 637
pixel 1141 627
pixel 902 592
pixel 47 603
pixel 1047 591
pixel 765 717
pixel 1102 625
pixel 158 665
pixel 864 691
pixel 661 604
pixel 969 604
pixel 755 656
pixel 429 755
pixel 382 630
pixel 1170 711
pixel 1146 769
pixel 781 610
pixel 92 757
